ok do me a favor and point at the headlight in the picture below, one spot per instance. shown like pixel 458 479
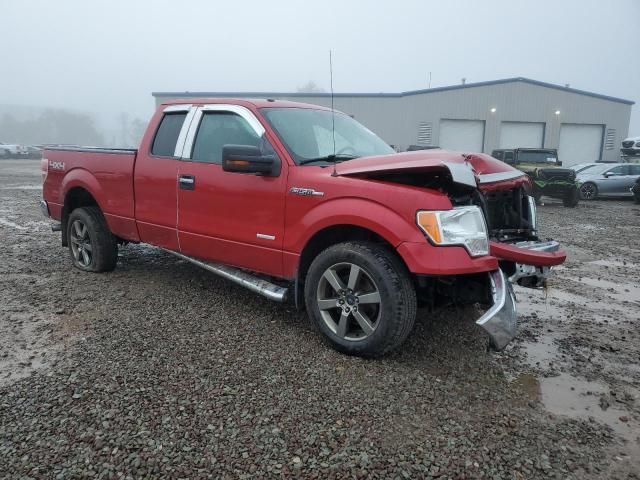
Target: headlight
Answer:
pixel 463 226
pixel 637 144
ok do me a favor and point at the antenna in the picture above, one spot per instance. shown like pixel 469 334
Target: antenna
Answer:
pixel 333 114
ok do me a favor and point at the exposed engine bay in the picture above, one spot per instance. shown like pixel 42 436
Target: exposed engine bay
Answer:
pixel 510 215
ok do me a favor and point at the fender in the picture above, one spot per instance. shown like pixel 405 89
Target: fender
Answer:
pixel 359 212
pixel 80 177
pixel 347 211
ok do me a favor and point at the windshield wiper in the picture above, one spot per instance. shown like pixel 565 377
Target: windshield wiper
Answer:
pixel 328 158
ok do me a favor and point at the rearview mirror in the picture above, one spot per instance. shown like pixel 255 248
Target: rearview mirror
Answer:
pixel 249 159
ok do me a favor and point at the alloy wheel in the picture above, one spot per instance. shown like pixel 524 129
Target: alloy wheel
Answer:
pixel 81 247
pixel 349 301
pixel 588 191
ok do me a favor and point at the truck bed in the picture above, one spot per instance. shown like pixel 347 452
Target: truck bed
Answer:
pixel 109 174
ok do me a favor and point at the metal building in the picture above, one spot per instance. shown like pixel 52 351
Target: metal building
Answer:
pixel 480 117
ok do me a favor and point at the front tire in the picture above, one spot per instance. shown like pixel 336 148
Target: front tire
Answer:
pixel 92 246
pixel 588 191
pixel 571 198
pixel 360 297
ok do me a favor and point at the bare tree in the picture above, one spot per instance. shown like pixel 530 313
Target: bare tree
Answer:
pixel 310 87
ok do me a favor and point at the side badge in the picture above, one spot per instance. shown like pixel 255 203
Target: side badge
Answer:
pixel 306 192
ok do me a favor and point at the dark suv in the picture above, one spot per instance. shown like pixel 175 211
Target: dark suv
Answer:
pixel 543 167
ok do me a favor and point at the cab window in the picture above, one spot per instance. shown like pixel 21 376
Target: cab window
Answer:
pixel 164 143
pixel 217 129
pixel 619 170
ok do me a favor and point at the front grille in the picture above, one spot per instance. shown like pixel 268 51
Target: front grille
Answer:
pixel 628 144
pixel 556 174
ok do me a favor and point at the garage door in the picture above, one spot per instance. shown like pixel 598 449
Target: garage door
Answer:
pixel 521 135
pixel 580 143
pixel 462 135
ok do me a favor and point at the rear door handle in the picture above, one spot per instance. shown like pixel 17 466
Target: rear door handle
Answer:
pixel 187 182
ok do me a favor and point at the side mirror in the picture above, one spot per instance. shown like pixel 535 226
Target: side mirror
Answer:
pixel 249 159
pixel 607 174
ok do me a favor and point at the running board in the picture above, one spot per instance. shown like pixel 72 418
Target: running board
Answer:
pixel 242 278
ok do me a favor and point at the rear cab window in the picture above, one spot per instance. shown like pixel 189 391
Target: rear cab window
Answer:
pixel 166 138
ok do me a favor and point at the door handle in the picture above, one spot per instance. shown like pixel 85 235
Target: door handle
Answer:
pixel 187 182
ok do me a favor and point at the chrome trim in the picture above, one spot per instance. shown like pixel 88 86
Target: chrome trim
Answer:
pixel 189 181
pixel 244 112
pixel 501 320
pixel 182 136
pixel 533 214
pixel 240 277
pixel 499 177
pixel 306 192
pixel 178 108
pixel 537 246
pixel 264 236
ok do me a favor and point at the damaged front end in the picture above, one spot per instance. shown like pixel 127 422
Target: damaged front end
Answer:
pixel 524 259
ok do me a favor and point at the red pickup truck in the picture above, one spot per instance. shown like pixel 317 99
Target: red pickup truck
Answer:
pixel 300 202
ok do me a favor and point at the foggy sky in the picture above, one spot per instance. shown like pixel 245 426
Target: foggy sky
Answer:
pixel 108 56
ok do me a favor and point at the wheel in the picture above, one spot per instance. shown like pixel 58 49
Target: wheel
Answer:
pixel 92 246
pixel 361 298
pixel 537 195
pixel 588 191
pixel 571 198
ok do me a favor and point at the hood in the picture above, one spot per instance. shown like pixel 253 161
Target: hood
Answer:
pixel 466 169
pixel 632 139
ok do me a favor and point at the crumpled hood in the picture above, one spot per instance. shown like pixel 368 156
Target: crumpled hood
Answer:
pixel 464 168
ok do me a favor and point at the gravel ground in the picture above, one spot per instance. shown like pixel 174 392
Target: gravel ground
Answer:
pixel 160 369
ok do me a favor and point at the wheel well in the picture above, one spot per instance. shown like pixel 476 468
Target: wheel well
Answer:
pixel 76 197
pixel 326 238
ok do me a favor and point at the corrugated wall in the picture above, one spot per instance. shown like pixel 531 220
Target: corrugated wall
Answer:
pixel 397 118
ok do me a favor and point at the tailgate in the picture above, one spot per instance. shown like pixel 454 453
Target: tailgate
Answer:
pixel 540 254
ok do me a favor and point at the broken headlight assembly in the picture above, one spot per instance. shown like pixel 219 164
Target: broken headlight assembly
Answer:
pixel 462 226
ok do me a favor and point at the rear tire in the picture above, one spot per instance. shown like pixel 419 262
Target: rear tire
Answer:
pixel 571 198
pixel 92 247
pixel 361 298
pixel 588 191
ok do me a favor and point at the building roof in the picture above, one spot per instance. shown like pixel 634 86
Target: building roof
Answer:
pixel 390 95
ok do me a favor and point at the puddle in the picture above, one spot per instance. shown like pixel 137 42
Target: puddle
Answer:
pixel 569 396
pixel 620 291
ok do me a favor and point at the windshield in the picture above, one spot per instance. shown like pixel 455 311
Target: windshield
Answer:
pixel 584 168
pixel 597 169
pixel 306 134
pixel 537 156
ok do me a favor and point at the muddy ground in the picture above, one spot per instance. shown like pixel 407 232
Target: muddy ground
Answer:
pixel 160 369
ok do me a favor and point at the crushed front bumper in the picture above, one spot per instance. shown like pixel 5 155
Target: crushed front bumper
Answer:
pixel 532 262
pixel 501 320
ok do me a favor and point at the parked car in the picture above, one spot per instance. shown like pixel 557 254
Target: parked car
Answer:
pixel 635 190
pixel 8 150
pixel 608 180
pixel 543 167
pixel 630 147
pixel 34 152
pixel 257 191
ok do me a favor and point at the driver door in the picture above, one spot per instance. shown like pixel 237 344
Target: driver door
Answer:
pixel 228 217
pixel 614 180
